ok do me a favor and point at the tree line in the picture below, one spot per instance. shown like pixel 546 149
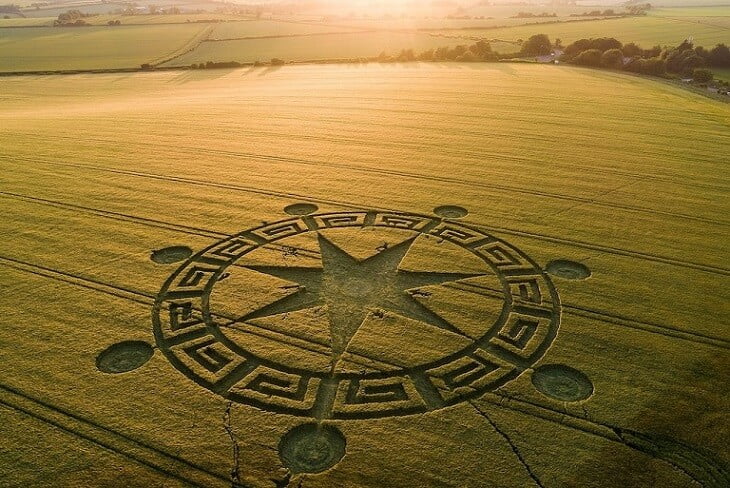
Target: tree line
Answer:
pixel 71 18
pixel 685 60
pixel 606 52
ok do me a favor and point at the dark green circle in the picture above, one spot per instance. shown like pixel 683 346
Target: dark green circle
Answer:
pixel 171 255
pixel 312 448
pixel 301 209
pixel 451 212
pixel 569 270
pixel 562 383
pixel 124 356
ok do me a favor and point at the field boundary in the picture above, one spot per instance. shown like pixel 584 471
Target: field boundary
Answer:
pixel 286 36
pixel 189 46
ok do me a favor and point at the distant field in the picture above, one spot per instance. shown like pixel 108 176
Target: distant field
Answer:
pixel 258 28
pixel 722 74
pixel 53 11
pixel 691 3
pixel 645 31
pixel 27 22
pixel 723 22
pixel 129 46
pixel 572 222
pixel 506 11
pixel 716 11
pixel 329 46
pixel 54 48
pixel 443 23
pixel 710 16
pixel 102 19
pixel 107 8
pixel 162 19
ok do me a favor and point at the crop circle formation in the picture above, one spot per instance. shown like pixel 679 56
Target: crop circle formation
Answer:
pixel 312 448
pixel 451 211
pixel 314 320
pixel 562 383
pixel 301 209
pixel 569 270
pixel 124 356
pixel 170 255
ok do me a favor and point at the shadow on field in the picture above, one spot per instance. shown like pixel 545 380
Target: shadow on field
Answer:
pixel 505 68
pixel 249 70
pixel 122 77
pixel 674 430
pixel 268 70
pixel 200 75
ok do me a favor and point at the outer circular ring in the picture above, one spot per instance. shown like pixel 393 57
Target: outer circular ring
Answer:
pixel 189 336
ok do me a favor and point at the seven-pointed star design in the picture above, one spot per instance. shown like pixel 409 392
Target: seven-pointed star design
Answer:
pixel 351 289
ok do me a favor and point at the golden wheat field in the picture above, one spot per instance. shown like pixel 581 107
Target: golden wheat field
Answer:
pixel 419 275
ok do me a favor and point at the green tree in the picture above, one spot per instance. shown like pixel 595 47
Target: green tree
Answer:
pixel 480 48
pixel 426 55
pixel 655 66
pixel 589 57
pixel 690 63
pixel 702 75
pixel 631 49
pixel 537 45
pixel 605 43
pixel 577 47
pixel 719 56
pixel 456 52
pixel 636 65
pixel 613 59
pixel 467 57
pixel 441 54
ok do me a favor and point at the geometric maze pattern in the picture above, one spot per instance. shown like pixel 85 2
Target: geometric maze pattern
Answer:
pixel 189 334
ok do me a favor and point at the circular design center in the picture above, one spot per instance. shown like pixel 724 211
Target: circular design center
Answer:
pixel 356 315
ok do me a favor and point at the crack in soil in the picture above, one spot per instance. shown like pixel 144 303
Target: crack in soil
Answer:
pixel 235 469
pixel 512 446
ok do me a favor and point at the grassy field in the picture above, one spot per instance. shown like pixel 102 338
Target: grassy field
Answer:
pixel 53 11
pixel 151 40
pixel 645 31
pixel 27 22
pixel 710 16
pixel 722 74
pixel 109 7
pixel 716 11
pixel 443 23
pixel 620 379
pixel 315 47
pixel 261 28
pixel 165 19
pixel 49 48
